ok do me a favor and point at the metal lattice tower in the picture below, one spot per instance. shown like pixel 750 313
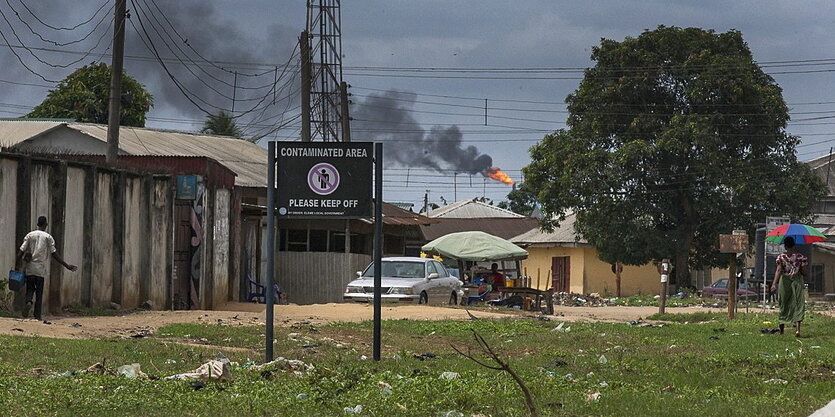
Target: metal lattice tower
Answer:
pixel 324 26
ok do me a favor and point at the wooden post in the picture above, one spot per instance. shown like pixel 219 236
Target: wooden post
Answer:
pixel 664 268
pixel 732 287
pixel 618 268
pixel 538 271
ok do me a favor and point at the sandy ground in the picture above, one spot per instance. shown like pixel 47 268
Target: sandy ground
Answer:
pixel 144 322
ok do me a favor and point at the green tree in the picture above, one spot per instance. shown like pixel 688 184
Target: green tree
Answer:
pixel 85 94
pixel 521 201
pixel 221 124
pixel 673 138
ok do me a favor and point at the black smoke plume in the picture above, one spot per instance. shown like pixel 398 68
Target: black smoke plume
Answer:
pixel 387 117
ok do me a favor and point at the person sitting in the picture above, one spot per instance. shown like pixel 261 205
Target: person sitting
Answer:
pixel 496 278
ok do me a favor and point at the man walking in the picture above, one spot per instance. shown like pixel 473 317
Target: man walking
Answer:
pixel 37 247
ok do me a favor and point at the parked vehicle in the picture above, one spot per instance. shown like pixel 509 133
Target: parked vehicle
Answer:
pixel 720 288
pixel 407 279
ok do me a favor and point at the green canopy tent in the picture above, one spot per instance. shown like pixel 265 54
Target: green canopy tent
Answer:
pixel 476 247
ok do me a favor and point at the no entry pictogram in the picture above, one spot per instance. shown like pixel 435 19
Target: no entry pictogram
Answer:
pixel 323 178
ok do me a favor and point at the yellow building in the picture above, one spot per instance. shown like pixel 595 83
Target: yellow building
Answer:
pixel 564 261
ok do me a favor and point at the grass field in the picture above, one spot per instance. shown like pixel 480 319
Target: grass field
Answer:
pixel 692 365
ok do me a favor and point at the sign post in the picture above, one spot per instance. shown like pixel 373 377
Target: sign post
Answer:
pixel 664 268
pixel 270 251
pixel 378 247
pixel 733 244
pixel 318 180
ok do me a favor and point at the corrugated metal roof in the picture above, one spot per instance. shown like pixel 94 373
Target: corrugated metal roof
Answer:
pixel 504 228
pixel 248 160
pixel 13 132
pixel 471 209
pixel 564 235
pixel 828 247
pixel 396 215
pixel 821 167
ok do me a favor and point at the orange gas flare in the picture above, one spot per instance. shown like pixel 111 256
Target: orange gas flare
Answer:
pixel 498 175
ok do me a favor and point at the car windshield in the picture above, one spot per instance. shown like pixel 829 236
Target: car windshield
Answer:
pixel 399 269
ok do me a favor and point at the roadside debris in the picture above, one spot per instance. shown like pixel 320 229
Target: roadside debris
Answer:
pixel 450 375
pixel 385 387
pixel 424 356
pixel 283 364
pixel 130 371
pixel 353 410
pixel 213 369
pixel 602 359
pixel 561 328
pixel 592 396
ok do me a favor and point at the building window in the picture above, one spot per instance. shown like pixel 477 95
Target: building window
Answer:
pixel 337 242
pixel 296 240
pixel 358 244
pixel 318 240
pixel 393 244
pixel 816 279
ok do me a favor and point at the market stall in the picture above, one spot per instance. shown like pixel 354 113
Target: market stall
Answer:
pixel 467 248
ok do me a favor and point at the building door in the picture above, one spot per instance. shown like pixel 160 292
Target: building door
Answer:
pixel 182 255
pixel 561 273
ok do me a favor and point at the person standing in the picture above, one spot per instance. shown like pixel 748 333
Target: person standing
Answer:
pixel 38 246
pixel 791 269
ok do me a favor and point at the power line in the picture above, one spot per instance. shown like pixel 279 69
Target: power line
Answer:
pixel 106 2
pixel 56 43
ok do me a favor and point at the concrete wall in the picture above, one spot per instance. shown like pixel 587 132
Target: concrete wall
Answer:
pixel 41 200
pixel 72 249
pixel 103 242
pixel 220 246
pixel 588 273
pixel 635 280
pixel 8 243
pixel 539 262
pixel 134 239
pixel 159 237
pixel 116 226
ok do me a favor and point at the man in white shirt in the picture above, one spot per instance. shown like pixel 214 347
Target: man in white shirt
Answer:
pixel 38 246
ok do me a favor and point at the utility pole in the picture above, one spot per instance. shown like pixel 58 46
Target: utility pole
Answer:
pixel 114 109
pixel 346 120
pixel 426 203
pixel 455 187
pixel 304 67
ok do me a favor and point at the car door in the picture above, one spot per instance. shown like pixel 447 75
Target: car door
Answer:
pixel 433 286
pixel 446 281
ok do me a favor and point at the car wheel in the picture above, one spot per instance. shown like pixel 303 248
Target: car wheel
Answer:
pixel 424 299
pixel 453 299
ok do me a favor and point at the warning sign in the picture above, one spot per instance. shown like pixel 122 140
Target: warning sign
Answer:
pixel 324 179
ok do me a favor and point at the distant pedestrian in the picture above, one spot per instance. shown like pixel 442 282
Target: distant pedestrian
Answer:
pixel 38 246
pixel 791 269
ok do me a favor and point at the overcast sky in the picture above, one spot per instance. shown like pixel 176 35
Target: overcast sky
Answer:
pixel 421 33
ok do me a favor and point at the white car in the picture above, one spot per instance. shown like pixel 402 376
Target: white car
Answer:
pixel 407 279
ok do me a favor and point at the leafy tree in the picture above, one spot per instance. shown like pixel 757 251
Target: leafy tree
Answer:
pixel 521 201
pixel 673 138
pixel 85 94
pixel 221 124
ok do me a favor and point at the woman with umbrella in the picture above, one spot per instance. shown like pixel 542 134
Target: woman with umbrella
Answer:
pixel 791 269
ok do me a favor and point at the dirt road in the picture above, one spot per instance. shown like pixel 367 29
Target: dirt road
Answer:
pixel 253 314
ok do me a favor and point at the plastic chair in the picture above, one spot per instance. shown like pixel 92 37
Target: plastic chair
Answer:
pixel 480 297
pixel 257 293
